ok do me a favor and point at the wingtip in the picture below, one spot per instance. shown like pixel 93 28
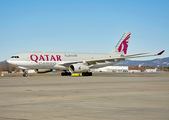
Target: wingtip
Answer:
pixel 160 53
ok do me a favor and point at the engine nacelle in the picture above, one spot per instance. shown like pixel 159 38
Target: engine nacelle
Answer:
pixel 43 70
pixel 78 68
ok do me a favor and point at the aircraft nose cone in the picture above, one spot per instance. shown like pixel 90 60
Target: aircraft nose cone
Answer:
pixel 12 62
pixel 9 61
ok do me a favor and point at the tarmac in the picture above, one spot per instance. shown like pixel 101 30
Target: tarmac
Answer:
pixel 104 96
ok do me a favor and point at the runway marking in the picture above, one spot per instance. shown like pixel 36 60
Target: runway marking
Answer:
pixel 80 85
pixel 40 96
pixel 17 95
pixel 124 99
pixel 74 96
pixel 58 96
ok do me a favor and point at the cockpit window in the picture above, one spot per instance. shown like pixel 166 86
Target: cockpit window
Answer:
pixel 15 57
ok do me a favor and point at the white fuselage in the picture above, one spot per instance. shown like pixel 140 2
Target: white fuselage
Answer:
pixel 47 60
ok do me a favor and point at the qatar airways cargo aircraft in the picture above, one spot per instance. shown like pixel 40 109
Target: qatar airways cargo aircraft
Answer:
pixel 73 62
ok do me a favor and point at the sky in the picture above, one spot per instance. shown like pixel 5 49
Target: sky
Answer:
pixel 83 26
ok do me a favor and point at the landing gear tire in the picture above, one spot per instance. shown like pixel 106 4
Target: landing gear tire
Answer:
pixel 90 74
pixel 66 73
pixel 87 74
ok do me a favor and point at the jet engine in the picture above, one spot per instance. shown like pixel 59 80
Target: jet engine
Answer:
pixel 43 70
pixel 78 68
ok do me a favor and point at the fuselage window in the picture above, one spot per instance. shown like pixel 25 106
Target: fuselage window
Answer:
pixel 15 57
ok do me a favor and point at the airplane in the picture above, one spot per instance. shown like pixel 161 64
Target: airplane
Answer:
pixel 71 63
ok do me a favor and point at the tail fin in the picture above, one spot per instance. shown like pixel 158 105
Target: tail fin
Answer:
pixel 121 47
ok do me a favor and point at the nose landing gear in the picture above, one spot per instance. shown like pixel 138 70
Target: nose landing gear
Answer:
pixel 25 74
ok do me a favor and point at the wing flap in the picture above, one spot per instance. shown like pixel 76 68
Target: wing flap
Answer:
pixel 138 54
pixel 141 55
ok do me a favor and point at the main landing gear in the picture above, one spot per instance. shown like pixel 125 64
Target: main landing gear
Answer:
pixel 66 73
pixel 87 74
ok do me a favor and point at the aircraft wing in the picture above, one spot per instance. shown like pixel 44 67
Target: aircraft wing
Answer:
pixel 67 63
pixel 24 68
pixel 141 55
pixel 93 61
pixel 122 57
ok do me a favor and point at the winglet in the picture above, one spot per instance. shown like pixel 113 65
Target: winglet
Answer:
pixel 160 52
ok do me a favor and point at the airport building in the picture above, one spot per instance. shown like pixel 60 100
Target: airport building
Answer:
pixel 121 69
pixel 111 69
pixel 152 70
pixel 28 71
pixel 134 71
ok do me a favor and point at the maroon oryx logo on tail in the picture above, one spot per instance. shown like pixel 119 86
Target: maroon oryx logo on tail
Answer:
pixel 124 45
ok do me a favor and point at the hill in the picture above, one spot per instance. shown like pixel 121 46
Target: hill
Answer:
pixel 156 62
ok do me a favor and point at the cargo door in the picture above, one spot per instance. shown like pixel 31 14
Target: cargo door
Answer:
pixel 27 58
